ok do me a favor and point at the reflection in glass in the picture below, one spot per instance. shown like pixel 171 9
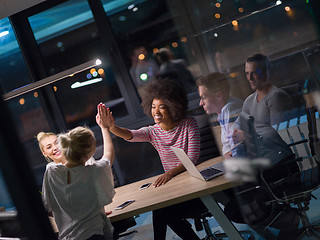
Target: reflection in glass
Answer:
pixel 29 119
pixel 263 27
pixel 141 29
pixel 79 95
pixel 13 71
pixel 6 203
pixel 67 35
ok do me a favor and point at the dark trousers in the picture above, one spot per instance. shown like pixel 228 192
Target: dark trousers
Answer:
pixel 96 237
pixel 175 217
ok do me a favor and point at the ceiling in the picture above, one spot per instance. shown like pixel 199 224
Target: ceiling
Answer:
pixel 10 7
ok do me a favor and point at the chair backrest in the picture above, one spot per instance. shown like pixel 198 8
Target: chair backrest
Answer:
pixel 295 91
pixel 251 137
pixel 208 145
pixel 313 130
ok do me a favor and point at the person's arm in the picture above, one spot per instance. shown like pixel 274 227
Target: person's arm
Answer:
pixel 226 131
pixel 121 132
pixel 228 120
pixel 102 120
pixel 238 135
pixel 45 192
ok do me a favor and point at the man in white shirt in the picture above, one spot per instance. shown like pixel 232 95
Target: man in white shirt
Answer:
pixel 214 92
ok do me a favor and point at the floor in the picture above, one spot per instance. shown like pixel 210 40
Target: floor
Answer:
pixel 144 224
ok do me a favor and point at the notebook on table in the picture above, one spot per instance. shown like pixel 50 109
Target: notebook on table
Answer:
pixel 205 174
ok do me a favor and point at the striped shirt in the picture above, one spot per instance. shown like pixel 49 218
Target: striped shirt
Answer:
pixel 185 135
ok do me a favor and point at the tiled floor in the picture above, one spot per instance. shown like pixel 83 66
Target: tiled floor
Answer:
pixel 144 224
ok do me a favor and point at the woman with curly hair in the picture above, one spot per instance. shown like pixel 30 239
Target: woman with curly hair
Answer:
pixel 166 102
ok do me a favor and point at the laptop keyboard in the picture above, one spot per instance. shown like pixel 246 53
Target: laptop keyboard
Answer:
pixel 209 172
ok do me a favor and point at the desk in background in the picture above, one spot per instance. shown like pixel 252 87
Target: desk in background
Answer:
pixel 182 187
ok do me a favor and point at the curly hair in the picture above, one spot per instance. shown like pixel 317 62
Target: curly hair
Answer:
pixel 170 92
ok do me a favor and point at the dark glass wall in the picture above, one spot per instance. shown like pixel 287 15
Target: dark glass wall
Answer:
pixel 204 36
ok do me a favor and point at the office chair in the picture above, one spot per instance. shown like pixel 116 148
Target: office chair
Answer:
pixel 10 227
pixel 297 187
pixel 201 223
pixel 294 186
pixel 208 150
pixel 120 227
pixel 287 192
pixel 208 146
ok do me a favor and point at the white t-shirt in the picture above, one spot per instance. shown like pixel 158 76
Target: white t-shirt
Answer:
pixel 78 207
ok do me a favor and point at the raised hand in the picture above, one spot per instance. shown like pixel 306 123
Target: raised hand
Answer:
pixel 104 117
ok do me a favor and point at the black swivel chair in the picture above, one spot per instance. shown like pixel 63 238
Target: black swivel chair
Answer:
pixel 120 227
pixel 208 150
pixel 297 188
pixel 10 227
pixel 294 187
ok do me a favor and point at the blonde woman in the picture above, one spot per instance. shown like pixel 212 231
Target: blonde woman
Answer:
pixel 48 146
pixel 76 193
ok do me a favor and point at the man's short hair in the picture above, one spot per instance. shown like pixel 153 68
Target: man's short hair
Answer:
pixel 215 82
pixel 261 60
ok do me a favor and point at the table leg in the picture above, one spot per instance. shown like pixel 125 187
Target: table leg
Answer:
pixel 221 218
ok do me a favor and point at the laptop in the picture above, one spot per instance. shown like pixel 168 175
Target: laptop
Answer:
pixel 205 174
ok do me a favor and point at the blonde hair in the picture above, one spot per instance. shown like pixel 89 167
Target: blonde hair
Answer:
pixel 40 137
pixel 78 144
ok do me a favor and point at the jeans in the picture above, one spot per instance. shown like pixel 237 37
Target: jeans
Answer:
pixel 175 217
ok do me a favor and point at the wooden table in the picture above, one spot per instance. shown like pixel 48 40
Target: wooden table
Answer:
pixel 182 187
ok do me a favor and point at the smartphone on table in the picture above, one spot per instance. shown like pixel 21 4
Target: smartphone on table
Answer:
pixel 144 186
pixel 123 205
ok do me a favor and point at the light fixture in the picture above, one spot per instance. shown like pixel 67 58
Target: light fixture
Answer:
pixel 51 79
pixel 131 6
pixel 85 83
pixel 4 33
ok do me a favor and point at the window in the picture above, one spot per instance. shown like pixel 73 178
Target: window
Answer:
pixel 29 119
pixel 142 28
pixel 13 71
pixel 79 95
pixel 68 36
pixel 5 199
pixel 247 27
